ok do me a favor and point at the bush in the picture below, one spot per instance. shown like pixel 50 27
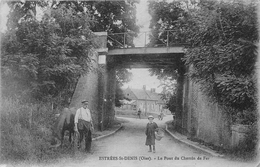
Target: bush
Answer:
pixel 247 149
pixel 26 130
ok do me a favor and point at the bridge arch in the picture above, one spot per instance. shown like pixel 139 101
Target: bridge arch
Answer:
pixel 99 88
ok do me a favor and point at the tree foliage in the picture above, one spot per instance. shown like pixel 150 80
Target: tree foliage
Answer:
pixel 45 58
pixel 168 16
pixel 122 76
pixel 221 54
pixel 168 81
pixel 115 17
pixel 110 16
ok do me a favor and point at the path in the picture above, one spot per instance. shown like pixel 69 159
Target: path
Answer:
pixel 128 144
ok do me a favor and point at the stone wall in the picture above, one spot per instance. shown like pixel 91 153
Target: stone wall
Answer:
pixel 93 85
pixel 203 119
pixel 199 118
pixel 87 88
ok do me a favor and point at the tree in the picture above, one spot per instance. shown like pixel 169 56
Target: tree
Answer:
pixel 169 16
pixel 109 16
pixel 112 17
pixel 44 58
pixel 223 53
pixel 221 50
pixel 172 79
pixel 118 17
pixel 115 17
pixel 122 76
pixel 169 84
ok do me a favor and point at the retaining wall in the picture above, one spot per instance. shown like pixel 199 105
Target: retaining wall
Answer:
pixel 202 119
pixel 87 88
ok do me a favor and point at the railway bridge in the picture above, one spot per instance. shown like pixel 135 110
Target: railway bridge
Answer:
pixel 196 116
pixel 114 53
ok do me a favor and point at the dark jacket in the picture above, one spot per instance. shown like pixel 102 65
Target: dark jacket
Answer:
pixel 150 133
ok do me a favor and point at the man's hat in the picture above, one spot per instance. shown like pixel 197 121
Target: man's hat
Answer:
pixel 150 116
pixel 83 101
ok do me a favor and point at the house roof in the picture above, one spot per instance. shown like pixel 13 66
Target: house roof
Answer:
pixel 127 102
pixel 155 96
pixel 140 94
pixel 146 94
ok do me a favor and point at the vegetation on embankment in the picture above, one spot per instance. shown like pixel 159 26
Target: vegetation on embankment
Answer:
pixel 26 130
pixel 42 57
pixel 243 152
pixel 222 39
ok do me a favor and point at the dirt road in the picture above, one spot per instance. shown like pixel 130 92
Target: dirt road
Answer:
pixel 127 149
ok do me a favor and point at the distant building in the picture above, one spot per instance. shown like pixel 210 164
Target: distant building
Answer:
pixel 145 100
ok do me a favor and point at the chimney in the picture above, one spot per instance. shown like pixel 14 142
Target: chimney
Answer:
pixel 144 87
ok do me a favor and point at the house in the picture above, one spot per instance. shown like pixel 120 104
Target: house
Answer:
pixel 145 100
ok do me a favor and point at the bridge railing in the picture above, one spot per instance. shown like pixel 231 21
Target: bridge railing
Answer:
pixel 165 38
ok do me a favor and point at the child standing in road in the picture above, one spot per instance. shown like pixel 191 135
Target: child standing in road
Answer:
pixel 151 127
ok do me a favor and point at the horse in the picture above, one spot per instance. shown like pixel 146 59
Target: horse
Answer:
pixel 65 122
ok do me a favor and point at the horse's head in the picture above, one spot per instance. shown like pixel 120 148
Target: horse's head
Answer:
pixel 73 110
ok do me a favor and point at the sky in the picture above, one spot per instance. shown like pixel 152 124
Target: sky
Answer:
pixel 4 9
pixel 140 76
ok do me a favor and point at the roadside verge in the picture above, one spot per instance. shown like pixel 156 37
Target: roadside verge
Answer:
pixel 197 146
pixel 109 134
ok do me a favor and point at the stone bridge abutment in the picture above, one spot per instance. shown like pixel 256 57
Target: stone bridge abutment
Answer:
pixel 98 86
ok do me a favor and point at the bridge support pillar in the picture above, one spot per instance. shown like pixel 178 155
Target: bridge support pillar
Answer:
pixel 102 87
pixel 93 86
pixel 110 93
pixel 107 87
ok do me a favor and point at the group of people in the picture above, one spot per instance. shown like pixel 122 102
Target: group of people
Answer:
pixel 160 116
pixel 84 126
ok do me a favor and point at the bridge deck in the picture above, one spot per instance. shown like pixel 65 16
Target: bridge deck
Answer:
pixel 146 50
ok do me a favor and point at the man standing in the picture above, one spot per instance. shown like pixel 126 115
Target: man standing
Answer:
pixel 84 125
pixel 139 113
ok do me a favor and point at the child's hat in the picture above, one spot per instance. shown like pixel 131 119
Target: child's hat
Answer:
pixel 84 101
pixel 150 116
